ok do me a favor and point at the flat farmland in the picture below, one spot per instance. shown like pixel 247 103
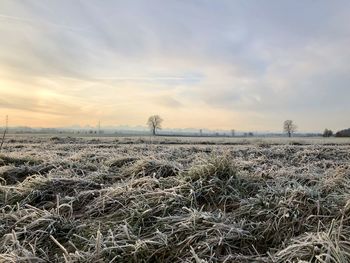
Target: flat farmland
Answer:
pixel 172 199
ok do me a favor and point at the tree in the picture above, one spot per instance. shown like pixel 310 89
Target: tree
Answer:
pixel 327 133
pixel 155 123
pixel 289 127
pixel 343 133
pixel 233 133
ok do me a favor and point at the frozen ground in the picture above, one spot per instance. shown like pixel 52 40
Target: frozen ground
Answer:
pixel 143 199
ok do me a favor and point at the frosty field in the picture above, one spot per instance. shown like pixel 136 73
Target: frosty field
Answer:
pixel 143 199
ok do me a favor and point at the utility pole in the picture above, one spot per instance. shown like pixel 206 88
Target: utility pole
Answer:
pixel 5 131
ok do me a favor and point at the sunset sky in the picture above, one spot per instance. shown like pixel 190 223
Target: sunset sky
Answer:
pixel 222 64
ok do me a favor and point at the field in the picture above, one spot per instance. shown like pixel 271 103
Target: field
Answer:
pixel 144 199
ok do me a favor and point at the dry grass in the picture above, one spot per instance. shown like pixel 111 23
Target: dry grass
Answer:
pixel 100 201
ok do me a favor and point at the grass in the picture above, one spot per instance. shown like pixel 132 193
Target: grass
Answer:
pixel 106 201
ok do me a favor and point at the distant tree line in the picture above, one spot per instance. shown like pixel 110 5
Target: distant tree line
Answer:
pixel 343 133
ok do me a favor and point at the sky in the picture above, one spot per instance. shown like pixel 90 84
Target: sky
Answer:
pixel 223 64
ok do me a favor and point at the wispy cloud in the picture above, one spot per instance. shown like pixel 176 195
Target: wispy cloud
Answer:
pixel 38 23
pixel 167 101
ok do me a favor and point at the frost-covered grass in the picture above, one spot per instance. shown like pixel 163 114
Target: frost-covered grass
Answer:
pixel 167 140
pixel 129 200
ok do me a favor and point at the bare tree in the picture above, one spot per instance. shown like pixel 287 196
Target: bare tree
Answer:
pixel 155 123
pixel 327 133
pixel 289 127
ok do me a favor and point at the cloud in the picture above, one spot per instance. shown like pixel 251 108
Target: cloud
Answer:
pixel 167 101
pixel 260 60
pixel 49 106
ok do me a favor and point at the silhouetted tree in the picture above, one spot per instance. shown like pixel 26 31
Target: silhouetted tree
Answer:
pixel 289 127
pixel 155 123
pixel 327 133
